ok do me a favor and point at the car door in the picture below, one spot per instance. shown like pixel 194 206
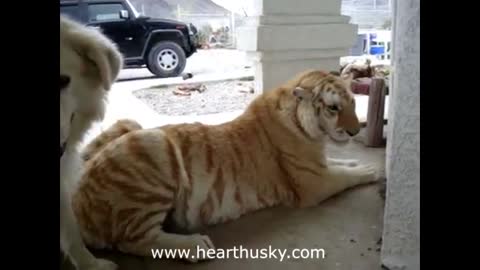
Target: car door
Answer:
pixel 121 30
pixel 137 37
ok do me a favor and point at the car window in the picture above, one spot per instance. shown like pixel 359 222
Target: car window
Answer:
pixel 104 12
pixel 71 11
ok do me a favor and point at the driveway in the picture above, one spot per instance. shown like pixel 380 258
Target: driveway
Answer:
pixel 203 62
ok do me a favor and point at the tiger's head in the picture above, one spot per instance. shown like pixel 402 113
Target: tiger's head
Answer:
pixel 325 105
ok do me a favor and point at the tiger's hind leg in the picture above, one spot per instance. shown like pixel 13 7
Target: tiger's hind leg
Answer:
pixel 161 245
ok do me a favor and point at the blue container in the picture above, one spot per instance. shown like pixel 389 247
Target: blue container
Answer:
pixel 377 49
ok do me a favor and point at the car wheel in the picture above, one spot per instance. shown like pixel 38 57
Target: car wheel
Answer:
pixel 166 59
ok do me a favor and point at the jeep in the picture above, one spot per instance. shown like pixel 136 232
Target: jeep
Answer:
pixel 160 44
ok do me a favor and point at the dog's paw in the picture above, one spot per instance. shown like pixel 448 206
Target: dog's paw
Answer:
pixel 101 264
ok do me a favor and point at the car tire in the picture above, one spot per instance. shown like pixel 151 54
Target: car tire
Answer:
pixel 166 59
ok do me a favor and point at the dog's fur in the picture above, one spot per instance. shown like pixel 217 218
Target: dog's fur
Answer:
pixel 89 64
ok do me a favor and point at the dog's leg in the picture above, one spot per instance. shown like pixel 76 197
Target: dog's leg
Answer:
pixel 71 241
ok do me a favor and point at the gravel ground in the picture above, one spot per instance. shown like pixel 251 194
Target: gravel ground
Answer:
pixel 222 96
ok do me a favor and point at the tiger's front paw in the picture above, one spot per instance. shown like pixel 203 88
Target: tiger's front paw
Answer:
pixel 351 163
pixel 365 174
pixel 342 162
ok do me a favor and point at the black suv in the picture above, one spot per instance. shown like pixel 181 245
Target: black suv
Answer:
pixel 160 44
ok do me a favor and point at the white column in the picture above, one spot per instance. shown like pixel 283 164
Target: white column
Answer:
pixel 285 37
pixel 401 235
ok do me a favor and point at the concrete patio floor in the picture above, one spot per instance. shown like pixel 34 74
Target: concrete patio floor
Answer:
pixel 347 227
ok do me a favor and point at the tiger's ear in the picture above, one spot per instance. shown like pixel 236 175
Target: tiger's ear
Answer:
pixel 335 73
pixel 348 78
pixel 301 93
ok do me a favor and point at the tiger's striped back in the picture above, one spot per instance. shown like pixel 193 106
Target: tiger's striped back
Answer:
pixel 120 128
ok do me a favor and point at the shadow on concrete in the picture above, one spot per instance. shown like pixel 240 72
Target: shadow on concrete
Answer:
pixel 137 78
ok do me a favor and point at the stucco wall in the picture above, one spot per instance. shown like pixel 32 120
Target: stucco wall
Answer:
pixel 401 237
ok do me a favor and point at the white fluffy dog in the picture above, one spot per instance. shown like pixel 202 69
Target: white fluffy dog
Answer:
pixel 89 64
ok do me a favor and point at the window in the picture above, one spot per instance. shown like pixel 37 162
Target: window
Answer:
pixel 71 11
pixel 104 12
pixel 135 12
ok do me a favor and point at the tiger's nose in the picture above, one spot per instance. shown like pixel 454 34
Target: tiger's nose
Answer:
pixel 352 133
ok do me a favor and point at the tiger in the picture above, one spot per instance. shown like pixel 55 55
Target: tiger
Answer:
pixel 89 65
pixel 192 175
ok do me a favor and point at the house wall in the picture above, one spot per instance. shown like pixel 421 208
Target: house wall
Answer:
pixel 401 236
